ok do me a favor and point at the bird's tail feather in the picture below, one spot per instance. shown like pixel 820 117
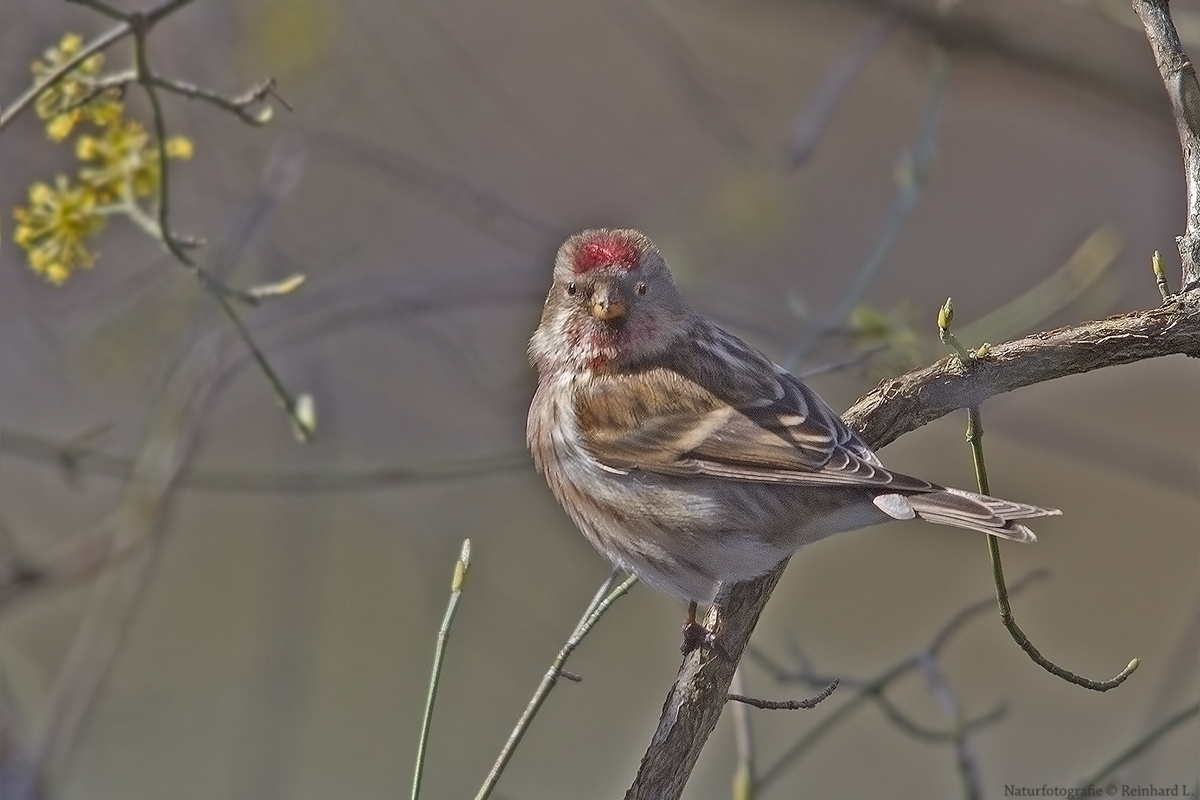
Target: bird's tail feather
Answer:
pixel 978 512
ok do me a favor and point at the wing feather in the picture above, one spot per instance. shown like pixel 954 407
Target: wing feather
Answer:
pixel 686 416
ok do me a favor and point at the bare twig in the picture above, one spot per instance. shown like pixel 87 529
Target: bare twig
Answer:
pixel 1179 78
pixel 601 602
pixel 874 688
pixel 810 125
pixel 786 705
pixel 362 479
pixel 964 750
pixel 745 774
pixel 129 535
pixel 457 583
pixel 100 43
pixel 1141 745
pixel 917 166
pixel 975 439
pixel 238 105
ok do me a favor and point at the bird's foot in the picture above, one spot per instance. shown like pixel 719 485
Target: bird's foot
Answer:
pixel 696 636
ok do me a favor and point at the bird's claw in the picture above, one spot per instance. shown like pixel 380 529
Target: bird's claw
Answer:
pixel 696 636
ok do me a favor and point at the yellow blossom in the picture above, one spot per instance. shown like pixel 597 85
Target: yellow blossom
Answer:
pixel 53 227
pixel 124 160
pixel 74 98
pixel 179 147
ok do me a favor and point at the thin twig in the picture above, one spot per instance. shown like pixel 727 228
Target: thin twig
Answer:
pixel 809 127
pixel 1141 745
pixel 363 479
pixel 461 567
pixel 964 751
pixel 917 731
pixel 786 705
pixel 846 363
pixel 100 43
pixel 875 687
pixel 129 533
pixel 237 105
pixel 140 23
pixel 917 167
pixel 744 782
pixel 829 723
pixel 600 603
pixel 975 438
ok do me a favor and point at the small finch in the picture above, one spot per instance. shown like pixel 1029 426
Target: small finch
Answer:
pixel 686 456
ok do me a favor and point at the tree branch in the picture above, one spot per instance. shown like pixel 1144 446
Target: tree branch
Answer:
pixel 903 404
pixel 1179 77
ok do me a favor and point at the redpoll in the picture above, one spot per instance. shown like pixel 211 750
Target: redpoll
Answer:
pixel 685 455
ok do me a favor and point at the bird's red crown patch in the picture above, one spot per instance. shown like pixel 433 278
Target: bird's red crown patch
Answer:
pixel 601 251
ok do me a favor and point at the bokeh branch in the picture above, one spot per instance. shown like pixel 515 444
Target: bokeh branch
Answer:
pixel 875 689
pixel 129 536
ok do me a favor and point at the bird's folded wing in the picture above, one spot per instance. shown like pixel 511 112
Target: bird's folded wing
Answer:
pixel 785 434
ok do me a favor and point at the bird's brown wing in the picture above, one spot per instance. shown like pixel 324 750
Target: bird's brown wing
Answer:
pixel 770 428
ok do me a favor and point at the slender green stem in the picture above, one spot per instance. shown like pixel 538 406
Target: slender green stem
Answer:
pixel 975 438
pixel 1140 746
pixel 602 601
pixel 439 653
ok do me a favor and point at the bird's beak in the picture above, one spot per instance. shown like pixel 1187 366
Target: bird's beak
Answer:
pixel 607 302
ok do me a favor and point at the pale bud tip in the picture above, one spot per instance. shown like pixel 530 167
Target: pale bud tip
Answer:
pixel 461 567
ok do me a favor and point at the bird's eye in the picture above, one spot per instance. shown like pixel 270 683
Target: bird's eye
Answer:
pixel 641 288
pixel 572 288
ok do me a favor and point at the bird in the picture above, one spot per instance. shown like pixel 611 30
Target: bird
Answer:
pixel 686 456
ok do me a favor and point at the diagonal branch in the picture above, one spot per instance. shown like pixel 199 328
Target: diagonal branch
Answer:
pixel 903 404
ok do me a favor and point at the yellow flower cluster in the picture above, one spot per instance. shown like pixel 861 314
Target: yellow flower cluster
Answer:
pixel 77 97
pixel 119 165
pixel 53 226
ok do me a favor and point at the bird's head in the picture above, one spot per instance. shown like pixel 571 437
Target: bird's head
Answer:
pixel 613 303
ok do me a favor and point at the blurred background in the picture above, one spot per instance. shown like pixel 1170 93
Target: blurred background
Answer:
pixel 821 176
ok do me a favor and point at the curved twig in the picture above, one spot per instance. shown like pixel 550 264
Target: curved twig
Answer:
pixel 785 705
pixel 975 440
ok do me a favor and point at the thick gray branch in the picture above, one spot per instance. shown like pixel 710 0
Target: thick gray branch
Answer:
pixel 896 407
pixel 1179 77
pixel 903 404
